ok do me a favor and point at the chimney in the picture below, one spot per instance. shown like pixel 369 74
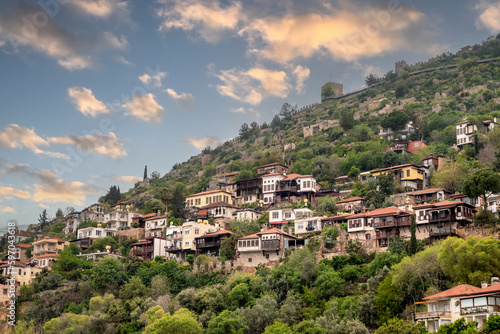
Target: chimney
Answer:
pixel 158 213
pixel 495 280
pixel 484 284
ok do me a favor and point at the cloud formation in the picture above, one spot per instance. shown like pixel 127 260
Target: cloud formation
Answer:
pixel 253 85
pixel 49 38
pixel 254 114
pixel 15 137
pixel 185 100
pixel 86 102
pixel 115 42
pixel 206 17
pixel 48 187
pixel 9 192
pixel 489 16
pixel 145 108
pixel 126 179
pixel 7 209
pixel 301 74
pixel 52 189
pixel 201 143
pixel 100 8
pixel 152 80
pixel 105 144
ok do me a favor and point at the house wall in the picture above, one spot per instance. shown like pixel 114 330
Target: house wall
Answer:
pixel 205 199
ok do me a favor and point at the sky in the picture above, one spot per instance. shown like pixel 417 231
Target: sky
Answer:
pixel 91 91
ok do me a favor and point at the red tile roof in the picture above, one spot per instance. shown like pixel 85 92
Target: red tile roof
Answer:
pixel 202 212
pixel 218 204
pixel 491 288
pixel 337 217
pixel 387 211
pixel 294 176
pixel 251 236
pixel 45 255
pixel 271 174
pixel 351 199
pixel 275 230
pixel 273 164
pixel 24 245
pixel 208 192
pixel 459 290
pixel 220 232
pixel 443 204
pixel 426 191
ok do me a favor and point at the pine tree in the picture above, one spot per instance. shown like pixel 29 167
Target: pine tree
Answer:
pixel 43 220
pixel 145 173
pixel 412 248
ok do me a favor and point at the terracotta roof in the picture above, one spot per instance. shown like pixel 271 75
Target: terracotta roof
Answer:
pixel 464 122
pixel 145 242
pixel 49 238
pixel 45 255
pixel 273 164
pixel 443 204
pixel 154 217
pixel 24 245
pixel 16 263
pixel 149 215
pixel 459 290
pixel 426 191
pixel 275 230
pixel 271 174
pixel 294 176
pixel 394 167
pixel 217 204
pixel 202 212
pixel 491 288
pixel 351 199
pixel 208 192
pixel 458 196
pixel 386 211
pixel 338 217
pixel 251 236
pixel 220 232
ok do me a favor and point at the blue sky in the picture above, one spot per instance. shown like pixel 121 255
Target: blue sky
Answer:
pixel 93 90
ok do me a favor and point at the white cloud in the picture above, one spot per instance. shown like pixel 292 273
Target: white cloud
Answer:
pixel 124 61
pixel 43 206
pixel 52 189
pixel 253 85
pixel 206 17
pixel 48 187
pixel 105 144
pixel 126 179
pixel 49 39
pixel 7 209
pixel 9 192
pixel 145 108
pixel 100 8
pixel 489 16
pixel 254 114
pixel 14 137
pixel 115 42
pixel 86 102
pixel 201 143
pixel 184 99
pixel 301 74
pixel 152 80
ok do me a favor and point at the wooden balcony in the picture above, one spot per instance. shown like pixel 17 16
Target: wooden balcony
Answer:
pixel 208 244
pixel 433 314
pixel 386 234
pixel 270 245
pixel 440 232
pixel 383 224
pixel 437 218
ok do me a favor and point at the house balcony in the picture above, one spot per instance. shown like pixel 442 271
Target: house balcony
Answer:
pixel 270 245
pixel 383 224
pixel 440 232
pixel 174 236
pixel 288 188
pixel 387 234
pixel 208 244
pixel 433 314
pixel 476 310
pixel 438 218
pixel 173 248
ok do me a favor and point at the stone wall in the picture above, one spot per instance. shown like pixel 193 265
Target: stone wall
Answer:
pixel 320 126
pixel 132 233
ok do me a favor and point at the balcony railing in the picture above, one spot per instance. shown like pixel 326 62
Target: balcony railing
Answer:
pixel 270 245
pixel 386 234
pixel 441 218
pixel 433 314
pixel 287 188
pixel 385 224
pixel 208 244
pixel 479 309
pixel 437 232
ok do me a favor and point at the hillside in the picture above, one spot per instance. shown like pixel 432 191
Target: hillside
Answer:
pixel 328 139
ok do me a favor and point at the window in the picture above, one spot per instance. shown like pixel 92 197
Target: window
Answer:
pixel 408 173
pixel 288 215
pixel 196 231
pixel 249 259
pixel 275 215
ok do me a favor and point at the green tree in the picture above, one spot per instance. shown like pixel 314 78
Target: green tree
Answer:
pixel 43 220
pixel 190 259
pixel 240 296
pixel 278 328
pixel 109 272
pixel 456 254
pixel 327 206
pixel 113 196
pixel 181 322
pixel 450 175
pixel 176 202
pixel 67 323
pixel 289 312
pixel 492 325
pixel 396 120
pixel 371 80
pixel 412 248
pixel 346 121
pixel 459 326
pixel 226 322
pixel 245 131
pixel 400 326
pixel 482 183
pixel 133 288
pixel 354 173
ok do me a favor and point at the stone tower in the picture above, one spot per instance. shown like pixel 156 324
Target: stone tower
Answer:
pixel 331 89
pixel 400 66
